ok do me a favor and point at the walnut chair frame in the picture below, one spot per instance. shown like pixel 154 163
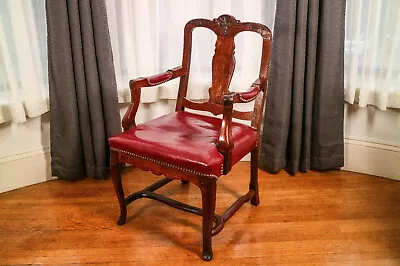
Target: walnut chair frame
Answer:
pixel 220 101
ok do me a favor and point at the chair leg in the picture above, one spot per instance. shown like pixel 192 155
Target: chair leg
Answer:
pixel 208 190
pixel 254 176
pixel 117 182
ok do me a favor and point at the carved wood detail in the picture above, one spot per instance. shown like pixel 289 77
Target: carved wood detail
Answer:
pixel 223 65
pixel 220 101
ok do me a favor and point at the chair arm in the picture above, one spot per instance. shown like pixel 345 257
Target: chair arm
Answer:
pixel 157 79
pixel 225 143
pixel 251 94
pixel 135 85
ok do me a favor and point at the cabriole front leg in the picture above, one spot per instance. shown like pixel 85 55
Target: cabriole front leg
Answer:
pixel 117 182
pixel 208 188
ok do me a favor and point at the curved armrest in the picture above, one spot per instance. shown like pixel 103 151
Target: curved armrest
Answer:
pixel 157 79
pixel 251 94
pixel 128 121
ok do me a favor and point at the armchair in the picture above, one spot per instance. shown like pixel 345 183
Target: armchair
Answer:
pixel 191 147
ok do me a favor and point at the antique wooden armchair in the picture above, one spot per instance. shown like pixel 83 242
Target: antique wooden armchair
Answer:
pixel 191 147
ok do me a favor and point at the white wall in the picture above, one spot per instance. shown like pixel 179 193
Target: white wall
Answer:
pixel 24 153
pixel 372 141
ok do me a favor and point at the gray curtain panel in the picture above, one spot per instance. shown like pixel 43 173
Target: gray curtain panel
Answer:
pixel 303 122
pixel 83 94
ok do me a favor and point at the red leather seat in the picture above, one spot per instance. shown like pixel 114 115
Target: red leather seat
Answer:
pixel 184 141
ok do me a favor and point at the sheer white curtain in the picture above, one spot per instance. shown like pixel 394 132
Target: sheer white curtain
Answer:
pixel 23 60
pixel 372 53
pixel 147 38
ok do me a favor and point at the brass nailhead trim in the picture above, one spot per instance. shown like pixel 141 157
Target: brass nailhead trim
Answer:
pixel 246 101
pixel 166 164
pixel 249 100
pixel 160 82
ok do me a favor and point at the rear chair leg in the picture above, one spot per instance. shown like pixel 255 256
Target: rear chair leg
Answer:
pixel 116 178
pixel 254 176
pixel 208 188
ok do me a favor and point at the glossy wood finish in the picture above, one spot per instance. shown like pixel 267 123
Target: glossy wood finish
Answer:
pixel 208 189
pixel 220 101
pixel 148 193
pixel 117 182
pixel 206 184
pixel 336 218
pixel 225 143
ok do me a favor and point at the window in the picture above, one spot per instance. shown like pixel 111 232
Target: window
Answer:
pixel 147 38
pixel 23 60
pixel 372 53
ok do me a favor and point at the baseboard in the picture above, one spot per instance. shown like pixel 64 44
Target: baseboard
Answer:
pixel 24 153
pixel 32 166
pixel 374 158
pixel 24 168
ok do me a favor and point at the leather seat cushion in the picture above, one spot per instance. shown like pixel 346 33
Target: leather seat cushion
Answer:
pixel 185 140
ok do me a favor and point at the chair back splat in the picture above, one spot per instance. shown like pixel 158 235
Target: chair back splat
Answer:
pixel 226 27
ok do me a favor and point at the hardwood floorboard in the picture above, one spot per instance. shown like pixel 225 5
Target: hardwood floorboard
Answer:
pixel 336 218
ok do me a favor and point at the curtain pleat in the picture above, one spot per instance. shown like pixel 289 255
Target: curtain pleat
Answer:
pixel 303 122
pixel 83 93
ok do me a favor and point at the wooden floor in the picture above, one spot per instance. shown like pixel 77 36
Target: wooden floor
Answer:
pixel 318 218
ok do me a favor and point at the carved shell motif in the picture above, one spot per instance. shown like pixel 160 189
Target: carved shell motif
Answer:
pixel 226 21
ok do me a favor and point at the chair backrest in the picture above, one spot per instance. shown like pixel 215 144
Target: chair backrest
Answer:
pixel 226 28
